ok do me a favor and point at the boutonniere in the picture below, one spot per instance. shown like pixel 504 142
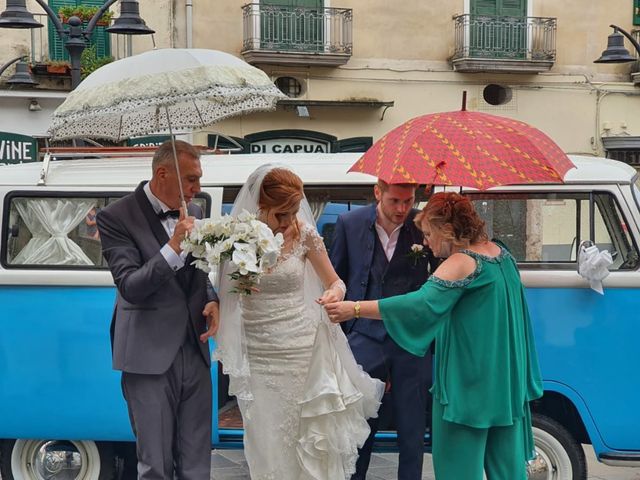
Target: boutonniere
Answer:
pixel 416 253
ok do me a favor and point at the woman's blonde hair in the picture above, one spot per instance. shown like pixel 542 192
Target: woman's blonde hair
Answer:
pixel 455 219
pixel 281 190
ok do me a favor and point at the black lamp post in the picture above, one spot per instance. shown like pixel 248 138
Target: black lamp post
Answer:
pixel 616 52
pixel 75 38
pixel 22 76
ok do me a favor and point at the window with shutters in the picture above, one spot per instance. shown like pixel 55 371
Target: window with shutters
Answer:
pixel 296 32
pixel 292 25
pixel 499 28
pixel 99 37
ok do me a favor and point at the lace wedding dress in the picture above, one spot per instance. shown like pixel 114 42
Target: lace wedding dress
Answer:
pixel 310 400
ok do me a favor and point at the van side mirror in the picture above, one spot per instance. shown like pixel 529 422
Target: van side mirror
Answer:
pixel 14 230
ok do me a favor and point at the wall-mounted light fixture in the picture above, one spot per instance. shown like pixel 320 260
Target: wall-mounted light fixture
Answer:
pixel 34 105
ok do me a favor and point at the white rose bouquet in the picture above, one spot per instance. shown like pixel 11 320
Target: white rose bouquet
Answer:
pixel 249 245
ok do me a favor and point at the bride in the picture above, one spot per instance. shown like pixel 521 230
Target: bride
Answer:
pixel 304 401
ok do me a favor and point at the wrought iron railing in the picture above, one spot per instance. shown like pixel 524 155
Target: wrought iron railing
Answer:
pixel 523 38
pixel 120 45
pixel 279 28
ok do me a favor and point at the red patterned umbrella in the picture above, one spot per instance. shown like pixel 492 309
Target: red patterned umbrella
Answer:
pixel 467 149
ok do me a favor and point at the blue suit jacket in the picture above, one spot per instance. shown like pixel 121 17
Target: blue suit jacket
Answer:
pixel 352 254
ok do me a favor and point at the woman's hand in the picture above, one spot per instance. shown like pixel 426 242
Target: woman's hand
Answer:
pixel 340 311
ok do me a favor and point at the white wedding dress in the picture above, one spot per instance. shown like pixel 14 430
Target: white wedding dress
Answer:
pixel 309 399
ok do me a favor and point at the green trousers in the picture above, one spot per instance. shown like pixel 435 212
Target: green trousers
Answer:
pixel 464 453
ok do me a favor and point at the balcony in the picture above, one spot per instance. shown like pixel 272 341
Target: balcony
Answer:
pixel 504 44
pixel 284 35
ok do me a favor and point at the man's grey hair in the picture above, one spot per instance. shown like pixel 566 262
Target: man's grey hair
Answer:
pixel 164 154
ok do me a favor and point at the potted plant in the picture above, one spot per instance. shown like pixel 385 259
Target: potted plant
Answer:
pixel 38 68
pixel 65 12
pixel 89 61
pixel 105 19
pixel 58 67
pixel 84 13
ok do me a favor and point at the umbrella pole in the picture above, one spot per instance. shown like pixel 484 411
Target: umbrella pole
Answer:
pixel 183 204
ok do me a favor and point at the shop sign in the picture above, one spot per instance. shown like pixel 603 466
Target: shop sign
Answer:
pixel 148 141
pixel 291 141
pixel 16 148
pixel 290 145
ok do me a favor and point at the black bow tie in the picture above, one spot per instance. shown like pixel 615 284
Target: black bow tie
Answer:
pixel 169 214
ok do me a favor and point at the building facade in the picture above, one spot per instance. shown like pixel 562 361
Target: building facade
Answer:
pixel 355 69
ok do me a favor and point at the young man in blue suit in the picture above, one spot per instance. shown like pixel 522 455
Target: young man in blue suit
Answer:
pixel 371 252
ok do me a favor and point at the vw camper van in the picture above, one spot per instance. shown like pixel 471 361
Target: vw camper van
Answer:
pixel 62 414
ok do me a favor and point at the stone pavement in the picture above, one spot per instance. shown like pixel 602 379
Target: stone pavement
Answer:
pixel 231 465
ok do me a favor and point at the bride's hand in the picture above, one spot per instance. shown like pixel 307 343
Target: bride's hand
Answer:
pixel 340 311
pixel 329 296
pixel 246 286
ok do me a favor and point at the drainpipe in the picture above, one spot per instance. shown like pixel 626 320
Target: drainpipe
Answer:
pixel 189 13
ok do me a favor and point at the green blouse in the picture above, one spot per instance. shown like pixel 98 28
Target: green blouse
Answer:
pixel 486 366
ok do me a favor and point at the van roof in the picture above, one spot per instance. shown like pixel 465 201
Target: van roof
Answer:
pixel 234 169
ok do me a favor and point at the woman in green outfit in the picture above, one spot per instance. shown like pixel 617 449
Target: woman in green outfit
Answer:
pixel 486 367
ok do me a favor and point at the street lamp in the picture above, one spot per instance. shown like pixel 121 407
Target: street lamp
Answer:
pixel 616 52
pixel 22 75
pixel 75 38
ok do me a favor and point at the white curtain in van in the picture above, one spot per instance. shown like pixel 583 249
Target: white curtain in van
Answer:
pixel 317 207
pixel 50 220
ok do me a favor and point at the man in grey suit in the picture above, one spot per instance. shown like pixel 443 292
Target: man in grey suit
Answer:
pixel 163 308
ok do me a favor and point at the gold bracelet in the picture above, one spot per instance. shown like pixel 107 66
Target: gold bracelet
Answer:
pixel 356 309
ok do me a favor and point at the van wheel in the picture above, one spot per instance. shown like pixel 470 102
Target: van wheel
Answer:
pixel 558 455
pixel 56 459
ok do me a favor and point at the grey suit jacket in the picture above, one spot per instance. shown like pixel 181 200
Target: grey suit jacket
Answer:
pixel 155 307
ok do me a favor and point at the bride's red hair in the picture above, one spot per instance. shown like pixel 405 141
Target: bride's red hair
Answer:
pixel 281 190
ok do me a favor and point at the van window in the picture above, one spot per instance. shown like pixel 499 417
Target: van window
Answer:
pixel 547 228
pixel 53 230
pixel 58 230
pixel 326 203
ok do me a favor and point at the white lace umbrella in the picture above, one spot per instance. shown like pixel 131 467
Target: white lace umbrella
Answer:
pixel 162 90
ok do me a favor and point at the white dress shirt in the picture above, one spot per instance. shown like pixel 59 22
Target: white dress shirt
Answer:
pixel 388 242
pixel 175 261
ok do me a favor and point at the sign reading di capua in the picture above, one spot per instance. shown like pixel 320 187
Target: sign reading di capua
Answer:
pixel 16 148
pixel 291 141
pixel 291 145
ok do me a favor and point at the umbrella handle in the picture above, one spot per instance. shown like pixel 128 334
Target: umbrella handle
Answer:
pixel 183 204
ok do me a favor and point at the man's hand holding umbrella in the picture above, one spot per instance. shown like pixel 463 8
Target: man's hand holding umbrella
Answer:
pixel 182 229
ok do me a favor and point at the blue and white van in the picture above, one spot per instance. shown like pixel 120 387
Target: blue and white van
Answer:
pixel 62 414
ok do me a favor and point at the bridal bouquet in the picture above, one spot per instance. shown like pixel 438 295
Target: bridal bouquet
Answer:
pixel 248 244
